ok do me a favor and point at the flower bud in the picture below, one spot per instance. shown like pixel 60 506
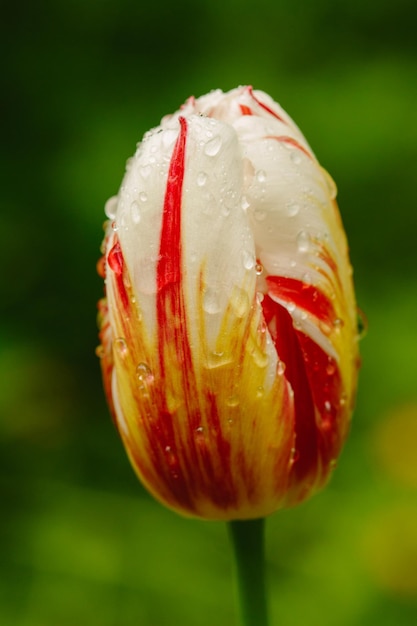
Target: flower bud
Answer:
pixel 229 343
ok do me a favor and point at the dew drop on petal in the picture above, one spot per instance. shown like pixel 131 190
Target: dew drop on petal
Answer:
pixel 293 209
pixel 331 185
pixel 110 207
pixel 280 368
pixel 259 215
pixel 135 212
pixel 232 401
pixel 143 196
pixel 201 179
pixel 213 146
pixel 330 367
pixel 244 203
pixel 211 302
pixel 218 359
pixel 295 455
pixel 261 176
pixel 260 357
pixel 120 346
pixel 101 267
pixel 303 241
pixel 259 269
pixel 145 171
pixel 342 399
pixel 248 260
pixel 100 352
pixel 295 157
pixel 239 301
pixel 144 374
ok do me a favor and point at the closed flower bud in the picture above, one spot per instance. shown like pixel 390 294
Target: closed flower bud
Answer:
pixel 229 328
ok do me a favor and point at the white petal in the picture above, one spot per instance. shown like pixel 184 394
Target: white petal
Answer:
pixel 217 238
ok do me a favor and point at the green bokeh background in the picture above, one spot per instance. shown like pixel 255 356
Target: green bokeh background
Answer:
pixel 81 542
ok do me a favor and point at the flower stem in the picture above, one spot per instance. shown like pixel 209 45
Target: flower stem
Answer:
pixel 247 538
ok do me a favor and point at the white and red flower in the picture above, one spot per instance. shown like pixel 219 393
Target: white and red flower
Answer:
pixel 228 334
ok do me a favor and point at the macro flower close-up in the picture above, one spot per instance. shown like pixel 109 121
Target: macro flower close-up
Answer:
pixel 229 339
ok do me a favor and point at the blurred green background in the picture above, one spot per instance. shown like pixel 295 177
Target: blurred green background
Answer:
pixel 81 543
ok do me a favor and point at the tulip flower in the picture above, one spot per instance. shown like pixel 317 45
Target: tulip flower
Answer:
pixel 228 333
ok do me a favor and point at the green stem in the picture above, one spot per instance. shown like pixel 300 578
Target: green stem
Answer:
pixel 248 542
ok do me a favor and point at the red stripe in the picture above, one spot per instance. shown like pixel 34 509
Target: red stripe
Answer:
pixel 289 350
pixel 169 264
pixel 290 141
pixel 116 263
pixel 245 109
pixel 265 106
pixel 303 295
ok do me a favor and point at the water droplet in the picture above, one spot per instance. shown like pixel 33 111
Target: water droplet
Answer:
pixel 260 391
pixel 261 176
pixel 327 406
pixel 331 367
pixel 114 226
pixel 213 146
pixel 280 368
pixel 244 203
pixel 325 328
pixel 200 438
pixel 343 399
pixel 239 301
pixel 259 215
pixel 293 209
pixel 338 323
pixel 168 137
pixel 259 268
pixel 101 267
pixel 145 170
pixel 201 179
pixel 248 260
pixel 110 208
pixel 120 346
pixel 295 156
pixel 295 455
pixel 326 424
pixel 261 358
pixel 172 460
pixel 303 241
pixel 232 401
pixel 362 323
pixel 173 402
pixel 211 302
pixel 135 212
pixel 290 307
pixel 218 359
pixel 143 196
pixel 144 375
pixel 331 185
pixel 100 352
